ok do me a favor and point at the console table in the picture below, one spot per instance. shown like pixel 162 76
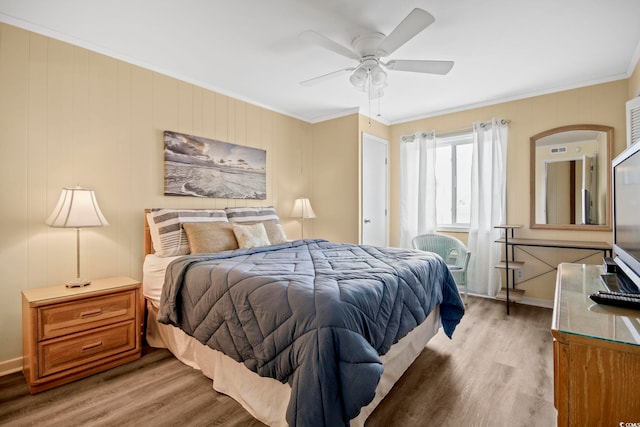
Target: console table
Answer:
pixel 596 353
pixel 510 263
pixel 560 244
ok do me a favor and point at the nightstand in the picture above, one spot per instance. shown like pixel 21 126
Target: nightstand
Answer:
pixel 71 333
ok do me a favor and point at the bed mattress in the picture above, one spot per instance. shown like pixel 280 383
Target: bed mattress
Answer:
pixel 265 398
pixel 409 284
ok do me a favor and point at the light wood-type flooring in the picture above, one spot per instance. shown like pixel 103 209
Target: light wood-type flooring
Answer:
pixel 497 371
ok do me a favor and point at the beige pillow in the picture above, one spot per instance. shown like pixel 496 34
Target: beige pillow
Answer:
pixel 251 236
pixel 207 237
pixel 275 232
pixel 168 235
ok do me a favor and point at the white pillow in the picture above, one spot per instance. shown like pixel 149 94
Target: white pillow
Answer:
pixel 251 236
pixel 166 224
pixel 275 232
pixel 267 215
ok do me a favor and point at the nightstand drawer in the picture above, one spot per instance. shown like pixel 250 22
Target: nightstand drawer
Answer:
pixel 66 318
pixel 69 352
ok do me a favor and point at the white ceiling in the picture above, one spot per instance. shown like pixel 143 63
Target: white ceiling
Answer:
pixel 250 49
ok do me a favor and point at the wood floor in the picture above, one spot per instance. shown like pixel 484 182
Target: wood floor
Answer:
pixel 497 371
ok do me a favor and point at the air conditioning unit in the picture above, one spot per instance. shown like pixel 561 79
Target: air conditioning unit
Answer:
pixel 558 150
pixel 633 121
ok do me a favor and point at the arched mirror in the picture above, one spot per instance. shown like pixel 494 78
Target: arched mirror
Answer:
pixel 571 178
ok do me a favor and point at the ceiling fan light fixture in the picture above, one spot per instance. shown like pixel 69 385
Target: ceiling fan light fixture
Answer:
pixel 359 78
pixel 378 77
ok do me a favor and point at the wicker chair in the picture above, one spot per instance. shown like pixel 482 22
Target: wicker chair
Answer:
pixel 452 250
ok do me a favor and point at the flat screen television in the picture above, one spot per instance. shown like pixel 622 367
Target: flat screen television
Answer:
pixel 626 212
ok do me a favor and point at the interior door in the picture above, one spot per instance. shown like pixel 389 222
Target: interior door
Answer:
pixel 375 191
pixel 589 189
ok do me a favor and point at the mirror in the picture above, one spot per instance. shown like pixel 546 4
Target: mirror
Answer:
pixel 571 178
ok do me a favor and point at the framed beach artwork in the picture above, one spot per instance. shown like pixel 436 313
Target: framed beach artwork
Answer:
pixel 202 167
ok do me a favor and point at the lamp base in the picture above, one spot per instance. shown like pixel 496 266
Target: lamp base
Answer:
pixel 78 283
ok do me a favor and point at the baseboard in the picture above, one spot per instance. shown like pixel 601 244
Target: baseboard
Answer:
pixel 10 366
pixel 538 302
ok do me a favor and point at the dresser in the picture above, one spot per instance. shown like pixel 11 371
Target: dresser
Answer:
pixel 70 333
pixel 596 351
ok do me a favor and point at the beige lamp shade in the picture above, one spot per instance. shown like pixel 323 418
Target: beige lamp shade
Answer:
pixel 77 208
pixel 302 209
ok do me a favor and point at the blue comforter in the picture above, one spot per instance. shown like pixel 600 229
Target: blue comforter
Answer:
pixel 315 314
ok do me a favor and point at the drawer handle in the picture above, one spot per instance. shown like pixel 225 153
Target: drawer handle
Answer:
pixel 91 346
pixel 91 313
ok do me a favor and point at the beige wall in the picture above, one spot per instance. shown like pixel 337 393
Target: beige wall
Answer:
pixel 335 179
pixel 373 127
pixel 337 149
pixel 70 116
pixel 600 104
pixel 634 82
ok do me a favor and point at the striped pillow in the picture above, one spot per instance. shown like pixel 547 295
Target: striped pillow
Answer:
pixel 252 214
pixel 167 234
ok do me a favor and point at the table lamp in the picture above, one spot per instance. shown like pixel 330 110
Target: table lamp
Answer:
pixel 77 208
pixel 302 210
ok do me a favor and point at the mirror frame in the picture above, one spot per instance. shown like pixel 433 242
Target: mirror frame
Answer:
pixel 532 184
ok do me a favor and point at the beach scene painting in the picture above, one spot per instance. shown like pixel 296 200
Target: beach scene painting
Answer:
pixel 202 167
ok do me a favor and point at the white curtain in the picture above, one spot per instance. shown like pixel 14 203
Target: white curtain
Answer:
pixel 488 204
pixel 417 186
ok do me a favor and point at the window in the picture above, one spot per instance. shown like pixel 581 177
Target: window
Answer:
pixel 453 180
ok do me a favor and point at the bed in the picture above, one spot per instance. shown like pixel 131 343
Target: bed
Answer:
pixel 304 332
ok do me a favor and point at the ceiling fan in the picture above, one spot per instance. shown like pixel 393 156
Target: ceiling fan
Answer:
pixel 368 49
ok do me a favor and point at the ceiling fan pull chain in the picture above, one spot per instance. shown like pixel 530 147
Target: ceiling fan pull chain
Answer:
pixel 369 94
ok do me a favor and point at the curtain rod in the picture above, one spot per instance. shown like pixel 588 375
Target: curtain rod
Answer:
pixel 412 137
pixel 488 122
pixel 454 132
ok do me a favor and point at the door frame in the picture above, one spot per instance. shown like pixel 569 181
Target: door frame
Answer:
pixel 367 136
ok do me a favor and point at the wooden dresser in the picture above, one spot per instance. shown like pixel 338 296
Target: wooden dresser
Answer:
pixel 596 353
pixel 68 333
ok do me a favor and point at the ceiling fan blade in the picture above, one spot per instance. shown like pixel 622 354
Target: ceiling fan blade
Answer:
pixel 325 77
pixel 420 66
pixel 410 26
pixel 320 40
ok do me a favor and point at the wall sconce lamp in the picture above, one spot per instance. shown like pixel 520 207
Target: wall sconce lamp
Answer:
pixel 77 208
pixel 302 210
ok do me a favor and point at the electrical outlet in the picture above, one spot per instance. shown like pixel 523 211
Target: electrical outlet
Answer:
pixel 520 274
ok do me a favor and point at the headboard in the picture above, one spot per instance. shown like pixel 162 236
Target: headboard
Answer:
pixel 148 244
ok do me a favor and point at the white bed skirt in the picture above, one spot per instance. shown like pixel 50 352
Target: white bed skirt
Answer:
pixel 265 398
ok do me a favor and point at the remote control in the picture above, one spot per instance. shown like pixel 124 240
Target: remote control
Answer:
pixel 617 299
